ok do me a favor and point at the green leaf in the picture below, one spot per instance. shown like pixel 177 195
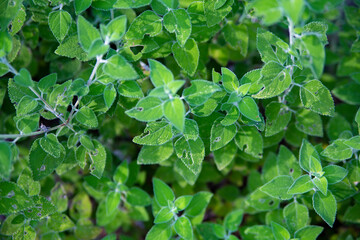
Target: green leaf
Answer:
pixel 309 159
pixel 198 204
pixel 87 117
pixel 87 33
pixel 191 153
pixel 221 135
pixel 276 79
pixel 348 93
pixel 271 47
pixel 174 111
pixel 155 154
pixel 81 5
pixel 71 48
pixel 5 160
pixel 155 133
pixel 301 185
pixel 121 173
pixel 5 42
pixel 109 94
pixel 321 184
pixel 224 156
pixel 262 201
pixel 97 48
pixel 278 187
pixel 146 23
pixel 162 192
pixel 296 216
pixel 26 106
pixel 182 202
pixel 60 222
pixel 147 109
pixel 325 206
pixel 183 228
pixel 114 30
pixel 41 163
pixel 229 80
pixel 126 4
pixel 98 159
pixel 249 140
pixel 199 92
pixel 26 182
pixel 280 233
pixel 277 118
pixel 113 199
pixel 338 151
pixel 187 56
pixel 3 69
pixel 138 197
pixel 178 22
pixel 59 24
pixel 164 215
pixel 293 9
pixel 249 109
pixel 309 122
pixel 233 220
pixel 334 173
pixel 314 54
pixel 237 36
pixel 130 89
pixel 47 82
pixel 315 96
pixel 159 232
pixel 87 142
pixel 51 145
pixel 308 232
pixel 219 230
pixel 215 14
pixel 28 123
pixel 13 198
pixel 118 68
pixel 353 142
pixel 23 78
pixel 159 74
pixel 269 10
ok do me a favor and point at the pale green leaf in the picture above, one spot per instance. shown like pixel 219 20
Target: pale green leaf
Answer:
pixel 221 135
pixel 147 109
pixel 178 22
pixel 183 228
pixel 191 152
pixel 325 206
pixel 155 154
pixel 187 56
pixel 155 133
pixel 301 185
pixel 277 118
pixel 87 33
pixel 118 68
pixel 278 187
pixel 59 24
pixel 296 216
pixel 174 111
pixel 146 23
pixel 315 96
pixel 199 92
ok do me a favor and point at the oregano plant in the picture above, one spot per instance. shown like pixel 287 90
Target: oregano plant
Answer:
pixel 179 119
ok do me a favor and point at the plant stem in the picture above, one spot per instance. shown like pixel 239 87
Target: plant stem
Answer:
pixel 99 60
pixel 15 136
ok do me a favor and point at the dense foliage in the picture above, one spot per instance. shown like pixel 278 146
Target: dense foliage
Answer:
pixel 179 119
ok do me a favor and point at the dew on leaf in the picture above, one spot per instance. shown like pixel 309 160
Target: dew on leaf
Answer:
pixel 10 194
pixel 42 168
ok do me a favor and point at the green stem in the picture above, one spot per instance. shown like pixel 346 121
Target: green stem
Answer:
pixel 15 136
pixel 90 81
